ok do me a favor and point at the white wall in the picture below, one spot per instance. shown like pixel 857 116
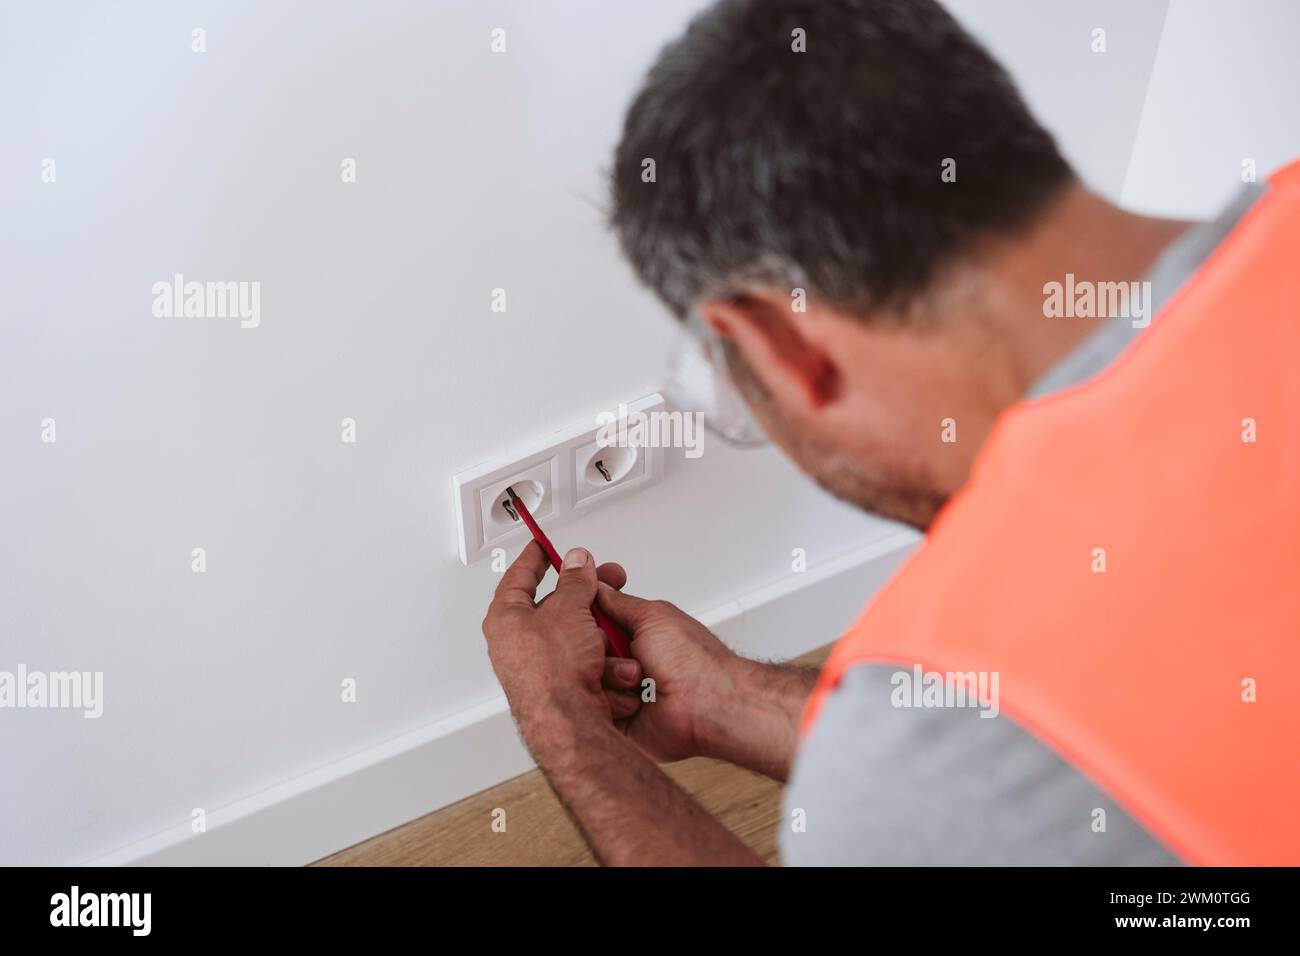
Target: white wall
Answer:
pixel 328 560
pixel 1223 89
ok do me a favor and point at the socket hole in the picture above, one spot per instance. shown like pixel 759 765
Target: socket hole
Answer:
pixel 608 466
pixel 499 516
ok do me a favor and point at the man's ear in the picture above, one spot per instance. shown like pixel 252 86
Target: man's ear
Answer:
pixel 776 347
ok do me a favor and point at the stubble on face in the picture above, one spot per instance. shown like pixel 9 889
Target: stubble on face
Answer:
pixel 889 489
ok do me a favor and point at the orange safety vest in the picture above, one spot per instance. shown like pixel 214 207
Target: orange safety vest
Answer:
pixel 1171 678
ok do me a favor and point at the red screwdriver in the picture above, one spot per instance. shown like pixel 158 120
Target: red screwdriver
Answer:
pixel 617 643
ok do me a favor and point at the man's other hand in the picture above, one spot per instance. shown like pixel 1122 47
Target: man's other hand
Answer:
pixel 682 681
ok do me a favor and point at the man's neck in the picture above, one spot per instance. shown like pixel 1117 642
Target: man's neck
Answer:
pixel 1006 341
pixel 1083 236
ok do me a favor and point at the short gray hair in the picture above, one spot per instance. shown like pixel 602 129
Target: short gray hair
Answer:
pixel 822 169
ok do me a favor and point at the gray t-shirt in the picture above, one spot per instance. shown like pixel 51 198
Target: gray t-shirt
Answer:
pixel 879 784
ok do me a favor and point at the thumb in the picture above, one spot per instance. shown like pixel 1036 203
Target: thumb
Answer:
pixel 577 586
pixel 627 610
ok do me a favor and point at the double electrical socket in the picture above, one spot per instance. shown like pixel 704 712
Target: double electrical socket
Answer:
pixel 569 472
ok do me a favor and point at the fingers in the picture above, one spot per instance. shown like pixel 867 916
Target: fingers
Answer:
pixel 626 609
pixel 518 585
pixel 622 683
pixel 577 585
pixel 609 573
pixel 623 703
pixel 621 673
pixel 612 573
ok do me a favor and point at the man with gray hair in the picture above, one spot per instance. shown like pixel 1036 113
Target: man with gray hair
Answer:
pixel 895 185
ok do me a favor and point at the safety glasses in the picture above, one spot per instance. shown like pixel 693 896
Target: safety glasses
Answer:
pixel 698 381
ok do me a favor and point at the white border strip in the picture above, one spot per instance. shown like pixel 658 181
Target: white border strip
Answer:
pixel 357 797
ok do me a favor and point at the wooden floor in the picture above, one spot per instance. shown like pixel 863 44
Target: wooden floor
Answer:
pixel 538 831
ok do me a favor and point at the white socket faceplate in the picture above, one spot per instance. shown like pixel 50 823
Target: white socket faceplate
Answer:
pixel 562 465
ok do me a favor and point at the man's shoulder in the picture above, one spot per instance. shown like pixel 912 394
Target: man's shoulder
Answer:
pixel 879 783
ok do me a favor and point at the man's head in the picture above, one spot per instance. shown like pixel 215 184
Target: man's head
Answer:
pixel 829 212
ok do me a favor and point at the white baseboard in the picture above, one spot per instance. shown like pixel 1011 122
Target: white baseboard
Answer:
pixel 357 797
